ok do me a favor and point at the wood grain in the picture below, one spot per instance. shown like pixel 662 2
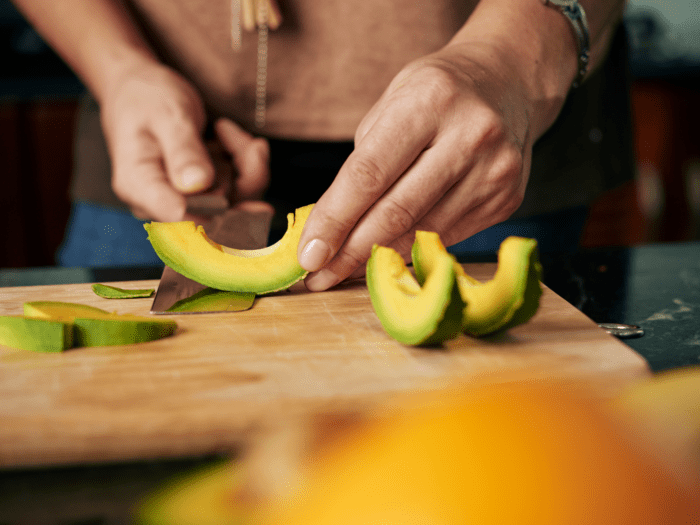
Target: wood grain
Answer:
pixel 222 378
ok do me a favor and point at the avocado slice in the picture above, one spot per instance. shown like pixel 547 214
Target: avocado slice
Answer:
pixel 509 299
pixel 211 300
pixel 412 313
pixel 39 335
pixel 96 327
pixel 112 292
pixel 188 251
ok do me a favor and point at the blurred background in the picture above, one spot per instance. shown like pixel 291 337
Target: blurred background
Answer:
pixel 39 94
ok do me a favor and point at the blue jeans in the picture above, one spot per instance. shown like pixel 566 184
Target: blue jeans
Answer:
pixel 556 232
pixel 105 237
pixel 99 236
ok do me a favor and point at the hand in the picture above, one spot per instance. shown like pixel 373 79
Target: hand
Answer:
pixel 447 148
pixel 153 121
pixel 241 163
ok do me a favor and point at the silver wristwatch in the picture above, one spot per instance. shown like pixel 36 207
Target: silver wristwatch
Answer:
pixel 574 12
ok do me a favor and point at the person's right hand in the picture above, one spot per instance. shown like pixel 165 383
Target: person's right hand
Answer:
pixel 153 120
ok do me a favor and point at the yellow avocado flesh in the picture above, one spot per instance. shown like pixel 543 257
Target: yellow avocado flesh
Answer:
pixel 96 327
pixel 188 251
pixel 509 299
pixel 61 310
pixel 410 313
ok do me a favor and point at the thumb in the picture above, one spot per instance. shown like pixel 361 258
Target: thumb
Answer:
pixel 251 157
pixel 186 159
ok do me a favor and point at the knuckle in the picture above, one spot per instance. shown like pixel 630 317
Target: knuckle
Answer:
pixel 429 223
pixel 493 129
pixel 350 260
pixel 509 206
pixel 507 203
pixel 339 225
pixel 505 172
pixel 369 174
pixel 509 165
pixel 439 82
pixel 395 218
pixel 438 94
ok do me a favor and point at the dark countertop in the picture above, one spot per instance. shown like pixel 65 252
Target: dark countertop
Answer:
pixel 656 287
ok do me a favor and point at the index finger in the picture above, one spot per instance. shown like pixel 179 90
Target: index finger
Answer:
pixel 384 153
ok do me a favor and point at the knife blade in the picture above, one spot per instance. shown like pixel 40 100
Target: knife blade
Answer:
pixel 244 229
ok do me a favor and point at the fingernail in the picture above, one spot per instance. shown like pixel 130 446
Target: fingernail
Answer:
pixel 321 281
pixel 314 255
pixel 193 178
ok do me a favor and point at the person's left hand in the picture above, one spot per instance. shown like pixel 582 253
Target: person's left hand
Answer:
pixel 447 148
pixel 241 167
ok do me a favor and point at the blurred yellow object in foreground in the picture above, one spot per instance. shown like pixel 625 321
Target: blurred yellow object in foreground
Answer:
pixel 665 412
pixel 513 452
pixel 507 451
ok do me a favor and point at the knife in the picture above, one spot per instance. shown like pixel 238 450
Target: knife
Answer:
pixel 243 229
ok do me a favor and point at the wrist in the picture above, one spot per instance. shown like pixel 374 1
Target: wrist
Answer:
pixel 118 67
pixel 535 49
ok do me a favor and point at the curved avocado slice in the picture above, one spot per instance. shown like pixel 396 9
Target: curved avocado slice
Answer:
pixel 509 299
pixel 96 327
pixel 39 335
pixel 188 251
pixel 410 313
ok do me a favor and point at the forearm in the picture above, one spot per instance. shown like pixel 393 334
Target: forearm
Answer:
pixel 97 38
pixel 538 46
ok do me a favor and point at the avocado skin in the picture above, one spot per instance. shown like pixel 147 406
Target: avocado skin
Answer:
pixel 96 327
pixel 531 295
pixel 116 331
pixel 436 307
pixel 451 322
pixel 38 335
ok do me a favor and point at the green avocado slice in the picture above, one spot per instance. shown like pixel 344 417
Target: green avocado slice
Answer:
pixel 96 327
pixel 410 313
pixel 112 292
pixel 39 335
pixel 210 300
pixel 187 250
pixel 509 299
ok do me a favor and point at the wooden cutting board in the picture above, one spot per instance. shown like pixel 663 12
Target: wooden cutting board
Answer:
pixel 223 377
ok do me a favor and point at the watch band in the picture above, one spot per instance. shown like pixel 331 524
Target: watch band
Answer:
pixel 574 12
